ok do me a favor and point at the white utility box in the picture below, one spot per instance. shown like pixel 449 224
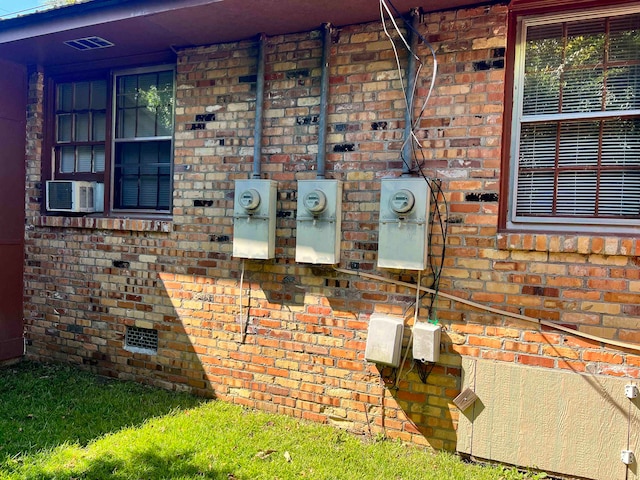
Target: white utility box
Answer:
pixel 318 221
pixel 426 342
pixel 254 218
pixel 384 340
pixel 404 223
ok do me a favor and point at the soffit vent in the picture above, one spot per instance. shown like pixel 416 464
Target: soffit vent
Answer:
pixel 89 43
pixel 141 340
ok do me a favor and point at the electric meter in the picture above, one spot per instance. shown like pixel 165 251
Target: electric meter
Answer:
pixel 402 201
pixel 249 199
pixel 315 202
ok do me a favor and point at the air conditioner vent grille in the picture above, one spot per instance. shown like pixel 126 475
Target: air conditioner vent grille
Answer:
pixel 61 195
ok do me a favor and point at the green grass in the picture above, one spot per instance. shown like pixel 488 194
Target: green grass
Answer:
pixel 60 423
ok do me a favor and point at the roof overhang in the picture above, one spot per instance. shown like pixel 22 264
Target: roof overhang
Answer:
pixel 151 28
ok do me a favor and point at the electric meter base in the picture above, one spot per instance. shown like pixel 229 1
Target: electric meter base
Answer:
pixel 404 223
pixel 254 219
pixel 318 221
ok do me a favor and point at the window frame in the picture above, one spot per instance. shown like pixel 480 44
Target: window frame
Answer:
pixel 73 141
pixel 515 119
pixel 114 140
pixel 51 167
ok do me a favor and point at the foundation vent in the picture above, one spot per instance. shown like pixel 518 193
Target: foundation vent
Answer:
pixel 141 340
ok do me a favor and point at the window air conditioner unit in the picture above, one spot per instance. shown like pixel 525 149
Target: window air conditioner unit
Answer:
pixel 74 196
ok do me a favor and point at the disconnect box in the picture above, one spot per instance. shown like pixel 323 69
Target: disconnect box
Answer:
pixel 404 223
pixel 384 340
pixel 254 219
pixel 426 342
pixel 318 221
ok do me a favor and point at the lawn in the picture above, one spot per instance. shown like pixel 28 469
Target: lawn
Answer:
pixel 60 423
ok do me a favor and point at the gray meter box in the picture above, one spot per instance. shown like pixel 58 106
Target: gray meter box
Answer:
pixel 318 221
pixel 404 223
pixel 254 218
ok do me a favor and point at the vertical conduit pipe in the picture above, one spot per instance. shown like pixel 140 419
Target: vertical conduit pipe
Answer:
pixel 257 129
pixel 324 100
pixel 407 150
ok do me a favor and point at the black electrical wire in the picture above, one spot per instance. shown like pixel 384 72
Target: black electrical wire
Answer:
pixel 444 230
pixel 424 369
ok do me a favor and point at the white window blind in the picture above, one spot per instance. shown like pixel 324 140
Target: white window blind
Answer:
pixel 577 133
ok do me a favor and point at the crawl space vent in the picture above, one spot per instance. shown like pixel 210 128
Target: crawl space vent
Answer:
pixel 141 340
pixel 89 43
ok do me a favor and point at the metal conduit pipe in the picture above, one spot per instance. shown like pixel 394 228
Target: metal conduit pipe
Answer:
pixel 324 100
pixel 407 150
pixel 257 129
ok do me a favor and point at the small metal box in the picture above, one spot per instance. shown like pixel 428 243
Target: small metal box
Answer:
pixel 404 223
pixel 318 221
pixel 384 340
pixel 254 219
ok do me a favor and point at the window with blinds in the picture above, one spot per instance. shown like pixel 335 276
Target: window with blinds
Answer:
pixel 576 155
pixel 143 140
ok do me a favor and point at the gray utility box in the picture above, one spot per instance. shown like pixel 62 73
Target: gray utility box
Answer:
pixel 426 342
pixel 404 223
pixel 254 218
pixel 384 340
pixel 318 221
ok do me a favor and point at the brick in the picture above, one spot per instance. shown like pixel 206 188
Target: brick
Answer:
pixel 536 361
pixel 555 351
pixel 531 348
pixel 484 341
pixel 605 357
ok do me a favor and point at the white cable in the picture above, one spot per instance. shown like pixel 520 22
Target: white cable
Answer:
pixel 393 20
pixel 431 86
pixel 395 52
pixel 415 320
pixel 409 96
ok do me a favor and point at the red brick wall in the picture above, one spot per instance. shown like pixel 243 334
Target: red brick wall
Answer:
pixel 303 354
